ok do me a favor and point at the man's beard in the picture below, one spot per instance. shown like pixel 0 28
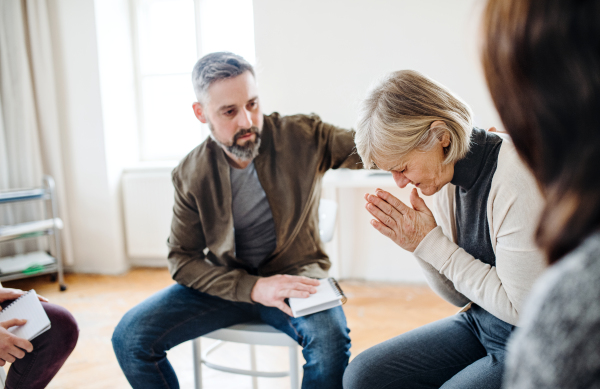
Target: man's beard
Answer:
pixel 247 151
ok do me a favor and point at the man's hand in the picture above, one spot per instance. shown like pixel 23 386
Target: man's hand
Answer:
pixel 13 294
pixel 271 291
pixel 404 225
pixel 11 346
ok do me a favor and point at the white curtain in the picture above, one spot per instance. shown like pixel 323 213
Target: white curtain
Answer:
pixel 30 139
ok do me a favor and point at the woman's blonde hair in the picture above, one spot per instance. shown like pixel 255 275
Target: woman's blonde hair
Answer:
pixel 396 119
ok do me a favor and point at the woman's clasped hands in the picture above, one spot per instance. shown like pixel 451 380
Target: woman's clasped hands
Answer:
pixel 406 226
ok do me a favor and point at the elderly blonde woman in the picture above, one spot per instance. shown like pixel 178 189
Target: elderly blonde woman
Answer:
pixel 477 250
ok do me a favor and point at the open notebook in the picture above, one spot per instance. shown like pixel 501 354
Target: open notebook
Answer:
pixel 329 295
pixel 30 308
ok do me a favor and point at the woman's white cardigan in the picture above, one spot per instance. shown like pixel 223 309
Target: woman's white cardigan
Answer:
pixel 513 209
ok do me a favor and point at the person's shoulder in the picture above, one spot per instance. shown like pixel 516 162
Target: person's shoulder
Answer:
pixel 568 292
pixel 295 130
pixel 573 280
pixel 193 163
pixel 509 161
pixel 297 121
pixel 559 325
pixel 513 180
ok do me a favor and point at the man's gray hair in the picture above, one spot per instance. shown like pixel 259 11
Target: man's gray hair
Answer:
pixel 217 66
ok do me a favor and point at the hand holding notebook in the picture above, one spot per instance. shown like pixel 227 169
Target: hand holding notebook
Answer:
pixel 274 290
pixel 12 347
pixel 13 294
pixel 27 307
pixel 329 295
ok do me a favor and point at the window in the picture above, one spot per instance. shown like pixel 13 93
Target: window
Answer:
pixel 170 36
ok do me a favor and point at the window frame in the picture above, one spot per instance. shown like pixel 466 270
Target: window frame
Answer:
pixel 135 9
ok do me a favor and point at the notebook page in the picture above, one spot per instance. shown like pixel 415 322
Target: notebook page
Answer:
pixel 30 308
pixel 325 294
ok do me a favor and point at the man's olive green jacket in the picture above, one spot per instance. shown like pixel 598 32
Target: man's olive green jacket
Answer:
pixel 294 154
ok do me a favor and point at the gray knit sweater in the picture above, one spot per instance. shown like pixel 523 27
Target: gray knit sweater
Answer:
pixel 558 344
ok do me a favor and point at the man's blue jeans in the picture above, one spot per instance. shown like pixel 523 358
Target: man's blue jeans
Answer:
pixel 178 314
pixel 464 351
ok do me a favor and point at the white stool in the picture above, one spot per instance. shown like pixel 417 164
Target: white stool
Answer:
pixel 252 333
pixel 258 333
pixel 2 377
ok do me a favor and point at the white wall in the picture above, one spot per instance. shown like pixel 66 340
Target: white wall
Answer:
pixel 322 55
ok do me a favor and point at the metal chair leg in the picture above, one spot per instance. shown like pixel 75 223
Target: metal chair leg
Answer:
pixel 197 363
pixel 294 370
pixel 253 365
pixel 2 377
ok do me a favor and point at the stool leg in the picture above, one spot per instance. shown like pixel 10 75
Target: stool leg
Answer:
pixel 2 377
pixel 197 363
pixel 253 365
pixel 294 376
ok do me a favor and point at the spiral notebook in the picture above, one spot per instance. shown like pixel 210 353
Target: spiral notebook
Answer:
pixel 27 307
pixel 329 295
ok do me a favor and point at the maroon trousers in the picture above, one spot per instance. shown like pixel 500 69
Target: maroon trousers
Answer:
pixel 50 351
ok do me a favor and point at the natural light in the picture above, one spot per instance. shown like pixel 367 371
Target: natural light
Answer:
pixel 171 36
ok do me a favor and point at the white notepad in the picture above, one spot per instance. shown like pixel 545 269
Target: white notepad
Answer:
pixel 30 308
pixel 329 295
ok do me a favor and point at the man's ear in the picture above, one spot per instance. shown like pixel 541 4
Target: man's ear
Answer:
pixel 199 112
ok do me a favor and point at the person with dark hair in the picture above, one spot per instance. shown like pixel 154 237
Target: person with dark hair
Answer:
pixel 34 363
pixel 245 234
pixel 542 64
pixel 476 249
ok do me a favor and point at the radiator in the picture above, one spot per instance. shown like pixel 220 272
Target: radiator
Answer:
pixel 147 209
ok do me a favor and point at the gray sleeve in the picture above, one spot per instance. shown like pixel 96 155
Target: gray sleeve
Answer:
pixel 441 285
pixel 557 345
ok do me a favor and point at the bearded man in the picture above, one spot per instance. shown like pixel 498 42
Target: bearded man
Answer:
pixel 245 232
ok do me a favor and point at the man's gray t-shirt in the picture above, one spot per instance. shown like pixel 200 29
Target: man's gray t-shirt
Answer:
pixel 252 218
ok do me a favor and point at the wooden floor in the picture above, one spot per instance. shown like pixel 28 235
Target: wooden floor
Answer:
pixel 375 312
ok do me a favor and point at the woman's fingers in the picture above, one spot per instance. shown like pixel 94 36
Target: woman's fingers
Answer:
pixel 389 207
pixel 392 200
pixel 406 226
pixel 24 344
pixel 13 322
pixel 386 207
pixel 16 352
pixel 10 294
pixel 381 216
pixel 418 203
pixel 383 229
pixel 42 298
pixel 381 204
